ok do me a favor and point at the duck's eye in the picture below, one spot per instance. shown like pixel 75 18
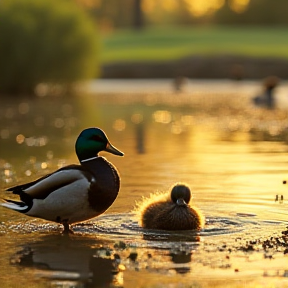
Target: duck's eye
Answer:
pixel 97 138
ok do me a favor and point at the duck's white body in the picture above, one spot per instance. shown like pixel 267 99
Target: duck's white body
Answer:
pixel 68 202
pixel 65 195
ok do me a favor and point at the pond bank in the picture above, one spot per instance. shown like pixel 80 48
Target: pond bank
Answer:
pixel 200 66
pixel 191 87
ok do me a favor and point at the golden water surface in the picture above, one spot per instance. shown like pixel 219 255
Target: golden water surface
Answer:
pixel 232 155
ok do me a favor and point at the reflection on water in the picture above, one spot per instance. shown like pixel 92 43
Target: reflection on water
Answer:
pixel 232 155
pixel 103 252
pixel 65 259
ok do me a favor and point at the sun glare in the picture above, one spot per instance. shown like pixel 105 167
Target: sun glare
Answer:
pixel 239 6
pixel 200 8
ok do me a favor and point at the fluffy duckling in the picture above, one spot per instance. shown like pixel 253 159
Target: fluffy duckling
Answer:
pixel 73 193
pixel 170 211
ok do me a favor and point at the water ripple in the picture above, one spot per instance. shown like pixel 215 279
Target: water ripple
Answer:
pixel 124 226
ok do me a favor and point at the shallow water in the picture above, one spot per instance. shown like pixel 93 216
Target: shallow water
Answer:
pixel 231 154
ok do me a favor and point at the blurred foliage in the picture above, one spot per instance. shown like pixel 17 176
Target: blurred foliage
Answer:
pixel 259 12
pixel 47 41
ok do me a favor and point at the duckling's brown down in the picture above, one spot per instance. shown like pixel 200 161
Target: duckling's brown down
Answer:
pixel 170 212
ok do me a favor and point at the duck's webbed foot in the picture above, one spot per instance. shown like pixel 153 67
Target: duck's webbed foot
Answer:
pixel 67 229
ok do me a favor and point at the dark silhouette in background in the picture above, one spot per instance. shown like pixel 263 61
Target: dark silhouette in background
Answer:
pixel 138 15
pixel 267 99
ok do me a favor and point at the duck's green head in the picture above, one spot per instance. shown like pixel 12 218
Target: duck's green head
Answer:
pixel 180 194
pixel 91 141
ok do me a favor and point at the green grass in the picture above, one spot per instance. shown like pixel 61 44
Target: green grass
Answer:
pixel 162 44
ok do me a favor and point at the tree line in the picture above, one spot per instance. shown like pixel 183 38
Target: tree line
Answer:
pixel 113 14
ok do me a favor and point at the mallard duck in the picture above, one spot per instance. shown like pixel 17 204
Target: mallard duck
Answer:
pixel 74 193
pixel 170 211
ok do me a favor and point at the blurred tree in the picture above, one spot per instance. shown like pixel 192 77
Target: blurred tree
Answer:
pixel 253 12
pixel 111 14
pixel 47 41
pixel 138 15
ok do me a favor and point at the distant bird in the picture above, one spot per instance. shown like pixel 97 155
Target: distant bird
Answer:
pixel 267 98
pixel 73 193
pixel 178 83
pixel 170 211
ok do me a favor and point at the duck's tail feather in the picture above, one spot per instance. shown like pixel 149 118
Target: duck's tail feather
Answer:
pixel 15 205
pixel 15 190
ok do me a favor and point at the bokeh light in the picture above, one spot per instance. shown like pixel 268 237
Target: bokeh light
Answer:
pixel 199 8
pixel 20 138
pixel 119 125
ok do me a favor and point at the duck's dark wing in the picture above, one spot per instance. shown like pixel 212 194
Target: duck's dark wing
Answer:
pixel 45 185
